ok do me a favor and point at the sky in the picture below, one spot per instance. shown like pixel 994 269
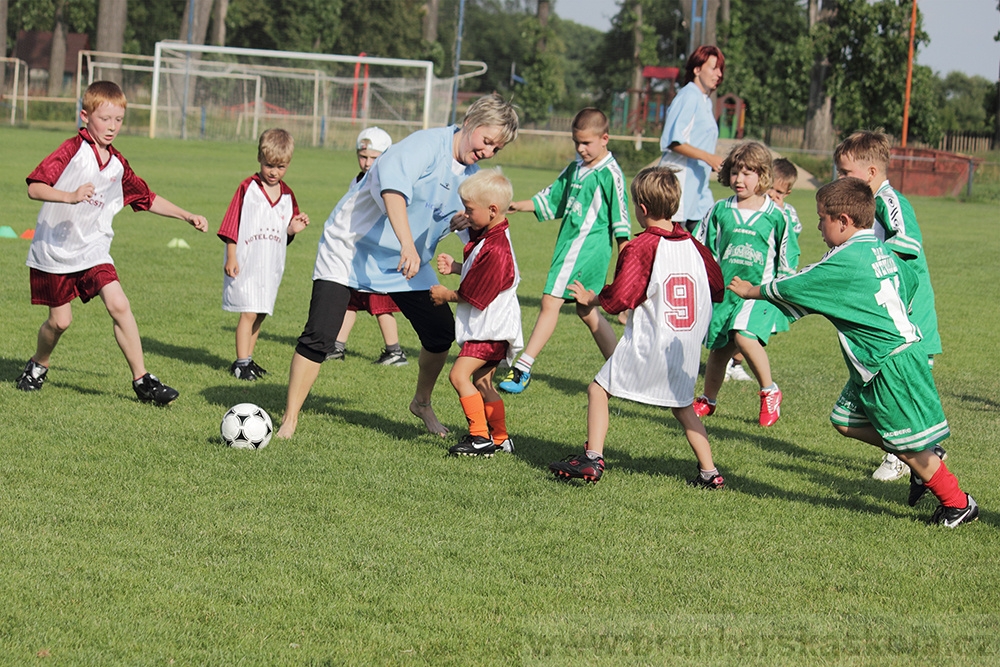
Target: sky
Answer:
pixel 961 31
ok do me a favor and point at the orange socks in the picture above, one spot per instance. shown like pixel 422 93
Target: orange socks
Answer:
pixel 475 413
pixel 497 418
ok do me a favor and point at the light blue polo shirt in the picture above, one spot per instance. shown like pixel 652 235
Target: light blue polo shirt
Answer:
pixel 690 120
pixel 359 248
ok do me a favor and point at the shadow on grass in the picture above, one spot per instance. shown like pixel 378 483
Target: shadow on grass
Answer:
pixel 979 403
pixel 191 355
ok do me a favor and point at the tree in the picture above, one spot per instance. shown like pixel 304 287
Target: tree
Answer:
pixel 57 57
pixel 194 29
pixel 219 22
pixel 819 135
pixel 965 103
pixel 111 20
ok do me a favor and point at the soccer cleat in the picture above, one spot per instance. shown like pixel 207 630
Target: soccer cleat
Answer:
pixel 149 389
pixel 951 517
pixel 506 446
pixel 579 466
pixel 397 358
pixel 245 372
pixel 716 482
pixel 336 355
pixel 32 377
pixel 516 382
pixel 734 371
pixel 257 369
pixel 917 486
pixel 702 407
pixel 770 407
pixel 474 445
pixel 890 469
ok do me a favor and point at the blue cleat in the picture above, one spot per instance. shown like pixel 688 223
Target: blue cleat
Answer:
pixel 516 382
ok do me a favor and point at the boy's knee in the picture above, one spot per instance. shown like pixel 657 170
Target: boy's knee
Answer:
pixel 842 430
pixel 59 322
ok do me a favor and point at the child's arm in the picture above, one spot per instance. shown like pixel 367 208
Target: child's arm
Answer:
pixel 395 209
pixel 441 295
pixel 232 267
pixel 523 206
pixel 44 192
pixel 162 206
pixel 744 289
pixel 447 265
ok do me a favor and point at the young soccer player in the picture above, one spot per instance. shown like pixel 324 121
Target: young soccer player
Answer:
pixel 865 155
pixel 890 400
pixel 487 317
pixel 589 196
pixel 83 184
pixel 255 250
pixel 371 143
pixel 748 236
pixel 670 281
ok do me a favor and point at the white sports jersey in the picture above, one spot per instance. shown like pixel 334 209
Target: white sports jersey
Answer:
pixel 75 237
pixel 656 361
pixel 260 247
pixel 500 320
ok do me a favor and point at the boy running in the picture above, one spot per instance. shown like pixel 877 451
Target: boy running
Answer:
pixel 670 281
pixel 83 184
pixel 865 291
pixel 589 196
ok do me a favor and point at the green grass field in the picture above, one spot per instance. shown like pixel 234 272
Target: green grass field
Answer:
pixel 130 535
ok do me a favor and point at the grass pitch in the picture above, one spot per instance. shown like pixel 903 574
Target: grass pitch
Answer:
pixel 130 535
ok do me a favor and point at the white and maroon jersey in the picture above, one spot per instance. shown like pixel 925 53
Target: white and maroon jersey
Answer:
pixel 488 309
pixel 76 237
pixel 259 228
pixel 670 281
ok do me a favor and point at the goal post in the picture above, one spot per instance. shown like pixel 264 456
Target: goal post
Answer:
pixel 232 93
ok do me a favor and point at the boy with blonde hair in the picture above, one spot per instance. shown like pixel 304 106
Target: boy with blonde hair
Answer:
pixel 865 291
pixel 255 254
pixel 487 317
pixel 865 155
pixel 590 197
pixel 669 282
pixel 82 185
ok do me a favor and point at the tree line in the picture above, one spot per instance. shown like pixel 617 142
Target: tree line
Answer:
pixel 822 64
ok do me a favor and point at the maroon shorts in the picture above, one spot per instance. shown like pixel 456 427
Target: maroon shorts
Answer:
pixel 490 351
pixel 376 304
pixel 58 289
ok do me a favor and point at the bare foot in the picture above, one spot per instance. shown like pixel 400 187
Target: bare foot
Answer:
pixel 426 412
pixel 286 430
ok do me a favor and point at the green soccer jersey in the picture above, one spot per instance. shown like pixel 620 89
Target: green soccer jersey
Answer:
pixel 896 225
pixel 757 246
pixel 865 292
pixel 593 205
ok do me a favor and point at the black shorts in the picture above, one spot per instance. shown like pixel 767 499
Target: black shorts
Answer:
pixel 326 315
pixel 435 325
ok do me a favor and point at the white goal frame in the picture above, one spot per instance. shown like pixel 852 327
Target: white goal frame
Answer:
pixel 426 65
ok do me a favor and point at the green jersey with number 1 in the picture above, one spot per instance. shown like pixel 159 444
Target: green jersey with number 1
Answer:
pixel 865 291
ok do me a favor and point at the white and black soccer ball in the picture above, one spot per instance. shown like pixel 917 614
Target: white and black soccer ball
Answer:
pixel 246 426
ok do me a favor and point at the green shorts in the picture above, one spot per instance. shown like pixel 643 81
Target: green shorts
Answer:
pixel 901 402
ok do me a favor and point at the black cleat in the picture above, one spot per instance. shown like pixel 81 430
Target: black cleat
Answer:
pixel 951 517
pixel 579 466
pixel 32 377
pixel 474 445
pixel 149 389
pixel 716 482
pixel 246 372
pixel 257 369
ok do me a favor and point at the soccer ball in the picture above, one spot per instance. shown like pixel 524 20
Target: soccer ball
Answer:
pixel 246 426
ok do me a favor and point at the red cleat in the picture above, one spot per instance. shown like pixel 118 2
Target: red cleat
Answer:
pixel 770 407
pixel 702 407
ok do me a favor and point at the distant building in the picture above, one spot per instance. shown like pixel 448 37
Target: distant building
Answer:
pixel 35 48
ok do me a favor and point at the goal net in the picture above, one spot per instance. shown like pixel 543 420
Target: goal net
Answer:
pixel 227 93
pixel 193 91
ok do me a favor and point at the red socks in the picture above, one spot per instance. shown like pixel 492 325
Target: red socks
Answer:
pixel 944 485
